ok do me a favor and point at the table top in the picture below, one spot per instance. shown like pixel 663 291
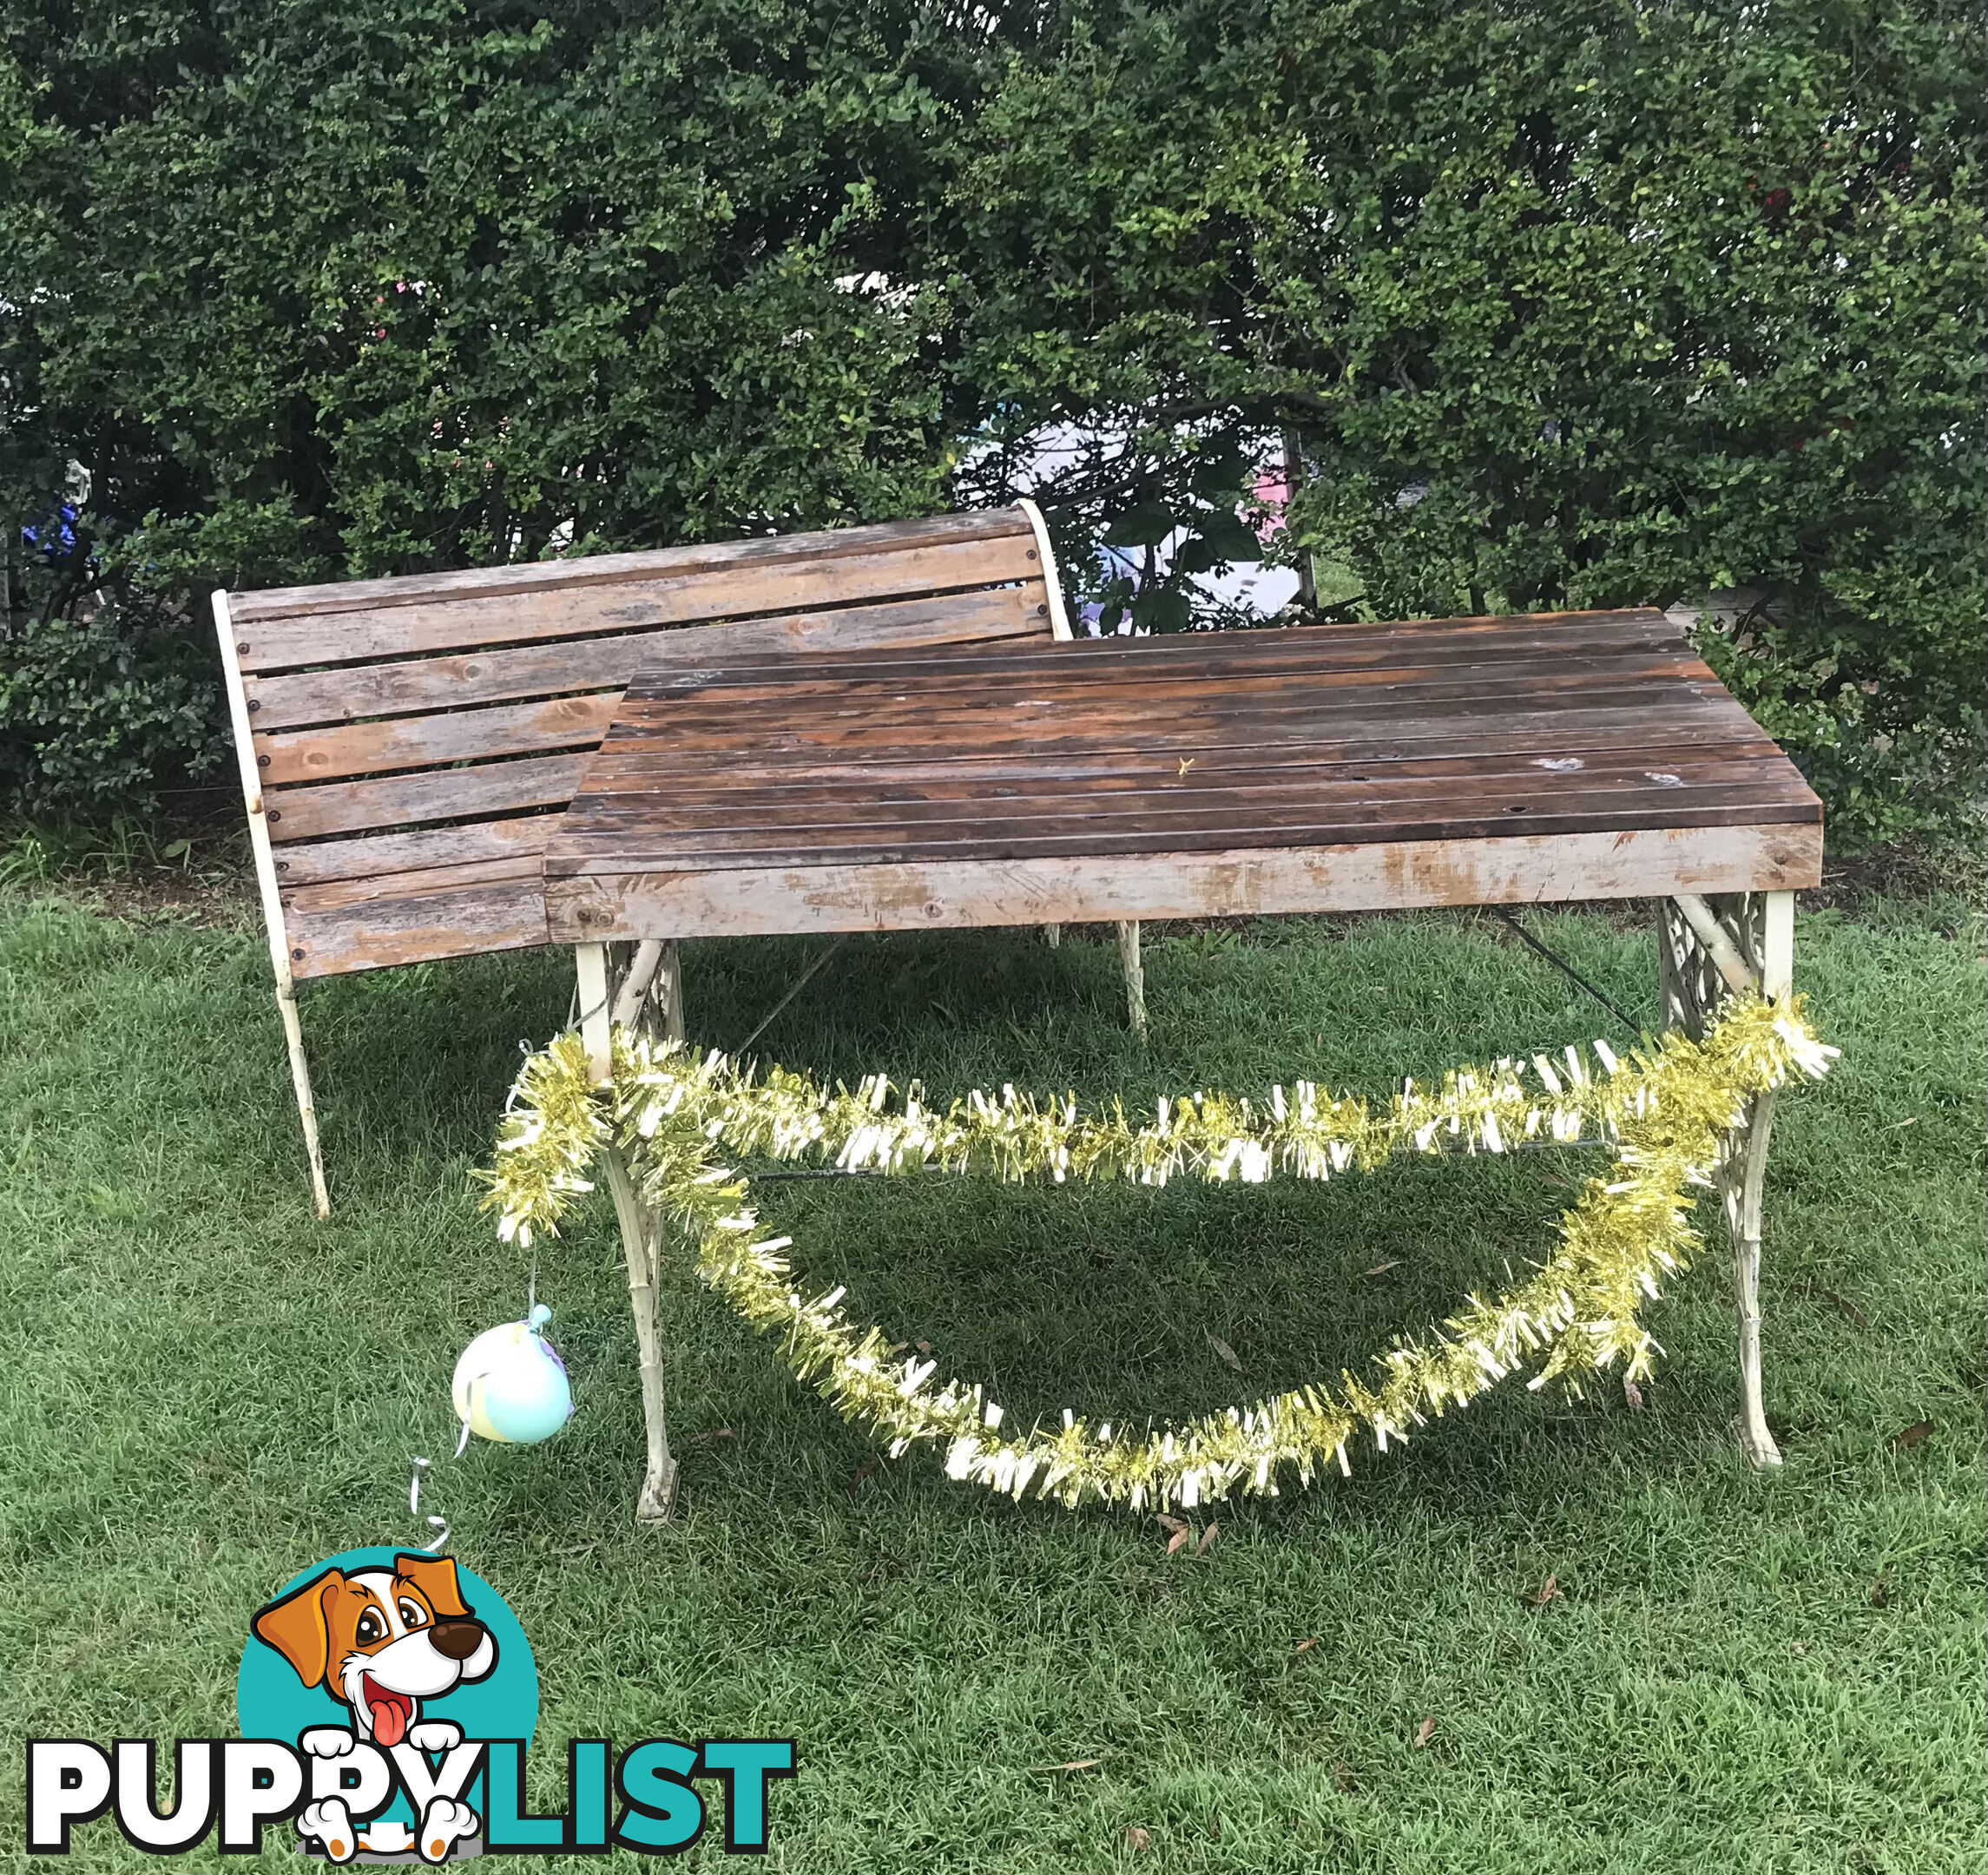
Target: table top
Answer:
pixel 1114 759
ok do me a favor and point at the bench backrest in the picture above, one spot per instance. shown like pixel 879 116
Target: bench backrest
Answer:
pixel 404 743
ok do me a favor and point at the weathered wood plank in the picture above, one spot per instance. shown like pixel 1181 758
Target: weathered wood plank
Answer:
pixel 714 557
pixel 1599 732
pixel 1073 890
pixel 478 620
pixel 373 854
pixel 405 801
pixel 371 935
pixel 709 793
pixel 1182 833
pixel 975 691
pixel 773 817
pixel 349 693
pixel 1180 735
pixel 429 882
pixel 1212 657
pixel 402 742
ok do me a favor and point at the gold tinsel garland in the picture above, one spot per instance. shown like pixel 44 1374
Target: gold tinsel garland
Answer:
pixel 676 1117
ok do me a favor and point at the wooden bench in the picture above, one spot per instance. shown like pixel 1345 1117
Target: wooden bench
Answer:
pixel 407 745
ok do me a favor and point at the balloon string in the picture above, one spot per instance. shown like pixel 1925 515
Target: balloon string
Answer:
pixel 439 1525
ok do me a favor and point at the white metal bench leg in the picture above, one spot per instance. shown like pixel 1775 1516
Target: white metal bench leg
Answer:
pixel 655 968
pixel 301 1080
pixel 1135 975
pixel 1751 938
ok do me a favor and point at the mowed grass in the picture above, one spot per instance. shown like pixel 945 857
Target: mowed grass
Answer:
pixel 205 1391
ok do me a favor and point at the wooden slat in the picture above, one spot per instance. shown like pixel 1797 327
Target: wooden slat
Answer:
pixel 1573 641
pixel 405 801
pixel 714 790
pixel 429 882
pixel 376 854
pixel 763 816
pixel 350 692
pixel 539 576
pixel 1551 737
pixel 1389 876
pixel 1184 833
pixel 428 741
pixel 509 915
pixel 1203 736
pixel 474 621
pixel 882 705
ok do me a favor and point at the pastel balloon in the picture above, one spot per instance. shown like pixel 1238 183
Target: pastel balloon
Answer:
pixel 510 1385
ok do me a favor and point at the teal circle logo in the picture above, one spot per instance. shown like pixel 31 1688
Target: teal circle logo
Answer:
pixel 383 1653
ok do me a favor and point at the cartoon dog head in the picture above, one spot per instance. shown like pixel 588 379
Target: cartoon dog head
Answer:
pixel 381 1640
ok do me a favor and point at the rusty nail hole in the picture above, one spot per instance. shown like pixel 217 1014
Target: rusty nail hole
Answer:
pixel 1515 810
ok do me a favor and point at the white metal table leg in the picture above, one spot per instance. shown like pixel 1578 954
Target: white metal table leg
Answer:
pixel 1711 949
pixel 603 1003
pixel 1135 975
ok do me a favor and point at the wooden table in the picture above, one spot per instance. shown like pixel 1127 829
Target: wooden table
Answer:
pixel 1322 769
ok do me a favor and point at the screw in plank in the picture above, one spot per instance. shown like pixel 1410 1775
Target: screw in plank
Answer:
pixel 261 761
pixel 297 955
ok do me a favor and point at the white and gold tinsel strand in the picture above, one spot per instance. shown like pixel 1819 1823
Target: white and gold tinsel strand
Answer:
pixel 681 1119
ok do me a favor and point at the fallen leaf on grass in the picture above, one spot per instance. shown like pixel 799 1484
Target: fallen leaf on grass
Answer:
pixel 1916 1434
pixel 1342 1776
pixel 1548 1591
pixel 1224 1350
pixel 1632 1395
pixel 723 1432
pixel 1880 1592
pixel 1166 1521
pixel 1842 1304
pixel 1075 1764
pixel 1305 1646
pixel 1207 1536
pixel 924 1347
pixel 1424 1732
pixel 1178 1540
pixel 1381 1269
pixel 864 1475
pixel 1136 1838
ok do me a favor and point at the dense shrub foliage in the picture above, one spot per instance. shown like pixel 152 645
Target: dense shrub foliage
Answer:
pixel 1565 303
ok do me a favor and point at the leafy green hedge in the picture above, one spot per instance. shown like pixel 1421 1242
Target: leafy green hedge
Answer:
pixel 1565 302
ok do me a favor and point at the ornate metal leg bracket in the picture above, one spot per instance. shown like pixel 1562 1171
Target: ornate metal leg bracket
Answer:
pixel 644 989
pixel 1708 949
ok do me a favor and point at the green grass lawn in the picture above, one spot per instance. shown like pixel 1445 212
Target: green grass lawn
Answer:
pixel 204 1392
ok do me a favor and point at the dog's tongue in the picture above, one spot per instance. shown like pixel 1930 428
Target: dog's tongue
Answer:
pixel 388 1720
